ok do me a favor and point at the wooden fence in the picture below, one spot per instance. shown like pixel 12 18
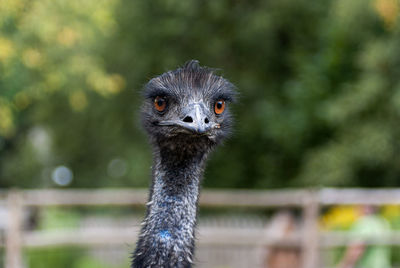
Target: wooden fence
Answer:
pixel 310 240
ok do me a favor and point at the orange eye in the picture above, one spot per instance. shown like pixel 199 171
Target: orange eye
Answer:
pixel 160 103
pixel 219 106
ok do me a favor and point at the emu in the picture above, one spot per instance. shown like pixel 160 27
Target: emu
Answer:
pixel 186 115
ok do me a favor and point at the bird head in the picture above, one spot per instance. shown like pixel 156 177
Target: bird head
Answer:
pixel 189 102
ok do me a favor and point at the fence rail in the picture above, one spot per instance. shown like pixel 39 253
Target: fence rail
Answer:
pixel 309 239
pixel 212 198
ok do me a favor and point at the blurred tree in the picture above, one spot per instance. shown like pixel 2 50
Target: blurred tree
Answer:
pixel 48 48
pixel 320 96
pixel 51 46
pixel 361 110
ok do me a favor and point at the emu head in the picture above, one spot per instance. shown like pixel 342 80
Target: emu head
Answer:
pixel 188 104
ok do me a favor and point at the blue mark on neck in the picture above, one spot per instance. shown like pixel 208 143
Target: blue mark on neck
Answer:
pixel 165 234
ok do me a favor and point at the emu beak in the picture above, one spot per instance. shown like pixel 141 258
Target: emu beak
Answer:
pixel 194 119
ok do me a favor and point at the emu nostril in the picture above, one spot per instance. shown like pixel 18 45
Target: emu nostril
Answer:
pixel 206 120
pixel 188 119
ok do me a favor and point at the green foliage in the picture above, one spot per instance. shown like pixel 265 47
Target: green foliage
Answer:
pixel 88 262
pixel 54 257
pixel 54 218
pixel 52 46
pixel 319 104
pixel 65 257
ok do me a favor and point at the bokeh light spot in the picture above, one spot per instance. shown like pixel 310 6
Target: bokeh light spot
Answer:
pixel 6 49
pixel 62 175
pixel 67 37
pixel 78 100
pixel 117 168
pixel 32 58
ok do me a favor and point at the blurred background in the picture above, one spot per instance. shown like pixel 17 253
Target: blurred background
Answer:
pixel 319 98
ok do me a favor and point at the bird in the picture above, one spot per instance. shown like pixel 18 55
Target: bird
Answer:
pixel 186 113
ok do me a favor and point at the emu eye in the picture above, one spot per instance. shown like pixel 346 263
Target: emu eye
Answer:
pixel 219 106
pixel 160 103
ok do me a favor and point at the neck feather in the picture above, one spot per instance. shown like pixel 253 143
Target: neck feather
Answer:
pixel 167 236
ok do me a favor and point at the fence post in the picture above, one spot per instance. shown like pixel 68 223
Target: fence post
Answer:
pixel 13 256
pixel 310 239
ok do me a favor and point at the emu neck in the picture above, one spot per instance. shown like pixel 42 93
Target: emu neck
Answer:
pixel 167 237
